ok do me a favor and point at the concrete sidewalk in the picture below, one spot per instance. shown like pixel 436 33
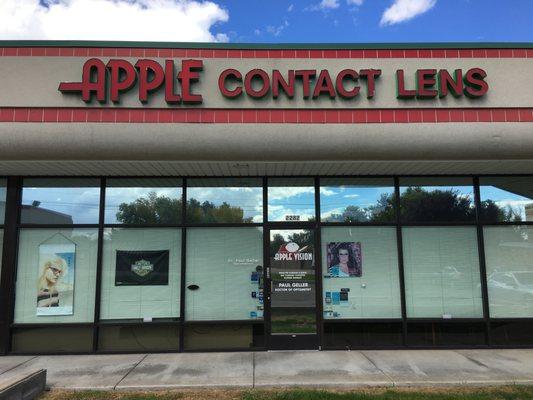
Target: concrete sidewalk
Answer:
pixel 279 369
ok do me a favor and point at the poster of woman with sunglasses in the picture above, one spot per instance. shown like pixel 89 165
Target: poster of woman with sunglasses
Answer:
pixel 344 260
pixel 55 286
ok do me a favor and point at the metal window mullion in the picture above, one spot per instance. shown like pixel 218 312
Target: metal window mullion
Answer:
pixel 266 267
pixel 9 261
pixel 401 270
pixel 183 264
pixel 99 264
pixel 318 267
pixel 482 262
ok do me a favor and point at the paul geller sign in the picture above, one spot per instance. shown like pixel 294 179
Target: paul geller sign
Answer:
pixel 148 76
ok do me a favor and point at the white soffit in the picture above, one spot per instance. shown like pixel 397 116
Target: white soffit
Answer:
pixel 202 168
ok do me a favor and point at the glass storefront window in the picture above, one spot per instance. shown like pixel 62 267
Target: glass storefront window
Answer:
pixel 143 201
pixel 357 200
pixel 141 274
pixel 224 274
pixel 3 194
pixel 509 265
pixel 62 201
pixel 442 277
pixel 291 199
pixel 56 276
pixel 506 199
pixel 293 290
pixel 437 200
pixel 360 273
pixel 230 200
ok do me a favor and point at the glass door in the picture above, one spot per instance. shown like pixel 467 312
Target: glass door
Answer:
pixel 291 284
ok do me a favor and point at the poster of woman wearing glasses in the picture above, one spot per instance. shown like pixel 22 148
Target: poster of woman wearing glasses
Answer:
pixel 55 286
pixel 344 260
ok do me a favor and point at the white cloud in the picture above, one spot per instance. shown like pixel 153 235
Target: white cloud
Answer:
pixel 354 2
pixel 329 4
pixel 327 192
pixel 350 196
pixel 328 214
pixel 404 10
pixel 290 8
pixel 280 193
pixel 277 30
pixel 517 206
pixel 324 5
pixel 146 20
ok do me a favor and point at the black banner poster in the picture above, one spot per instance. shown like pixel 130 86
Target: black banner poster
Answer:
pixel 141 268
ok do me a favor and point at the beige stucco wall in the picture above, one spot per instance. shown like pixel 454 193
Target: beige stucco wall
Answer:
pixel 33 81
pixel 266 142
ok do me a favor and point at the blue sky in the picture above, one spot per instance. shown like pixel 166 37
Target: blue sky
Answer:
pixel 274 21
pixel 446 21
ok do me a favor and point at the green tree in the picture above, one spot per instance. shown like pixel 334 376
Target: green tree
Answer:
pixel 208 212
pixel 275 243
pixel 152 209
pixel 305 238
pixel 350 214
pixel 419 204
pixel 155 209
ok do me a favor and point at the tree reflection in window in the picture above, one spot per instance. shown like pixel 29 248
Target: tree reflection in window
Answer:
pixel 418 204
pixel 155 209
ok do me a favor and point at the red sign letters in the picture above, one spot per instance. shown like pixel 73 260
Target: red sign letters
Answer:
pixel 149 74
pixel 110 81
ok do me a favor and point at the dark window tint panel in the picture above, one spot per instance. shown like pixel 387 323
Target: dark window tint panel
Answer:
pixel 224 337
pixel 355 335
pixel 138 338
pixel 435 334
pixel 52 340
pixel 513 333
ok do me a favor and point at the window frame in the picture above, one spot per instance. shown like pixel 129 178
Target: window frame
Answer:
pixel 12 225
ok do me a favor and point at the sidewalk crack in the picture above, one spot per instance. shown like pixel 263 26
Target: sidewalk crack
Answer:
pixel 18 365
pixel 127 373
pixel 253 370
pixel 379 369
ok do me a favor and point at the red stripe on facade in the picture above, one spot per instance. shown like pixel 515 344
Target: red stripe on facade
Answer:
pixel 264 116
pixel 262 53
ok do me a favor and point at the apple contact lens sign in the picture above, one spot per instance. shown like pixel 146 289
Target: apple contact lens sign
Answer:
pixel 180 82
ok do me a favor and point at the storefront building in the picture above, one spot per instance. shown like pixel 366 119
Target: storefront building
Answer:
pixel 197 197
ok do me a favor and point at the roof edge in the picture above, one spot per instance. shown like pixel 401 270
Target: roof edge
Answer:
pixel 287 46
